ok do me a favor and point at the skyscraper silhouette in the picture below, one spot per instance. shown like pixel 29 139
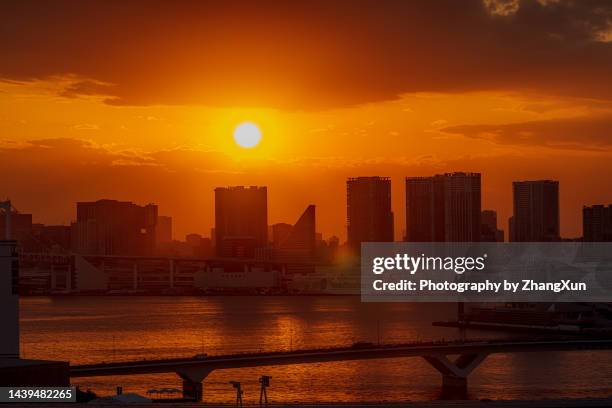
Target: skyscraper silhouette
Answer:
pixel 369 215
pixel 443 208
pixel 536 211
pixel 241 221
pixel 422 224
pixel 597 223
pixel 110 227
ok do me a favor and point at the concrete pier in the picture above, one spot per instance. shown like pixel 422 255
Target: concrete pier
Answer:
pixel 455 373
pixel 193 390
pixel 454 387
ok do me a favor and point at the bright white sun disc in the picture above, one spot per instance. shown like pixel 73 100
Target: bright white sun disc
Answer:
pixel 247 135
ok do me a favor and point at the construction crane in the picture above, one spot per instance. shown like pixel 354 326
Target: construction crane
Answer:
pixel 7 207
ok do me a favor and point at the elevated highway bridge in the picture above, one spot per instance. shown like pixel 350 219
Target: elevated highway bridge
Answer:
pixel 469 355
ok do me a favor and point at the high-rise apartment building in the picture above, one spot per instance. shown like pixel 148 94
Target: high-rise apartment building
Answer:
pixel 110 227
pixel 535 211
pixel 597 223
pixel 369 215
pixel 241 221
pixel 443 208
pixel 422 225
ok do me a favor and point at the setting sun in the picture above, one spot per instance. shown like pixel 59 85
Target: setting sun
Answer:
pixel 247 135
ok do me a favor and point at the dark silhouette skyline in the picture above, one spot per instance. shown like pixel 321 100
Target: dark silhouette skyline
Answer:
pixel 443 208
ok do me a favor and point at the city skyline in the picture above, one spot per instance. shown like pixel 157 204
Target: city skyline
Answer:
pixel 456 194
pixel 287 200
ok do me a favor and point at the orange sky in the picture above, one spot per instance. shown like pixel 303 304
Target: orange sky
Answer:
pixel 110 100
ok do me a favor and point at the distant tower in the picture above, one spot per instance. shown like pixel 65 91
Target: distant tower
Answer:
pixel 241 221
pixel 536 211
pixel 443 208
pixel 422 225
pixel 369 215
pixel 111 227
pixel 462 203
pixel 597 223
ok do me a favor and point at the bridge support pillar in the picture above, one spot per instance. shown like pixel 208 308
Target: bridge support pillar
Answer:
pixel 455 374
pixel 193 390
pixel 454 387
pixel 193 382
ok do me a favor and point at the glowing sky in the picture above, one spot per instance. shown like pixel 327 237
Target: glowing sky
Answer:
pixel 138 101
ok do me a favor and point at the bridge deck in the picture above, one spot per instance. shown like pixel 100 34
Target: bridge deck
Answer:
pixel 357 352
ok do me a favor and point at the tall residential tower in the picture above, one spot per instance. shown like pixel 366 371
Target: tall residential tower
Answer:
pixel 443 208
pixel 368 208
pixel 241 221
pixel 597 223
pixel 110 227
pixel 536 211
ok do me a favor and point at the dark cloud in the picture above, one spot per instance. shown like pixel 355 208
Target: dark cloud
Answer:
pixel 310 54
pixel 79 87
pixel 582 133
pixel 38 153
